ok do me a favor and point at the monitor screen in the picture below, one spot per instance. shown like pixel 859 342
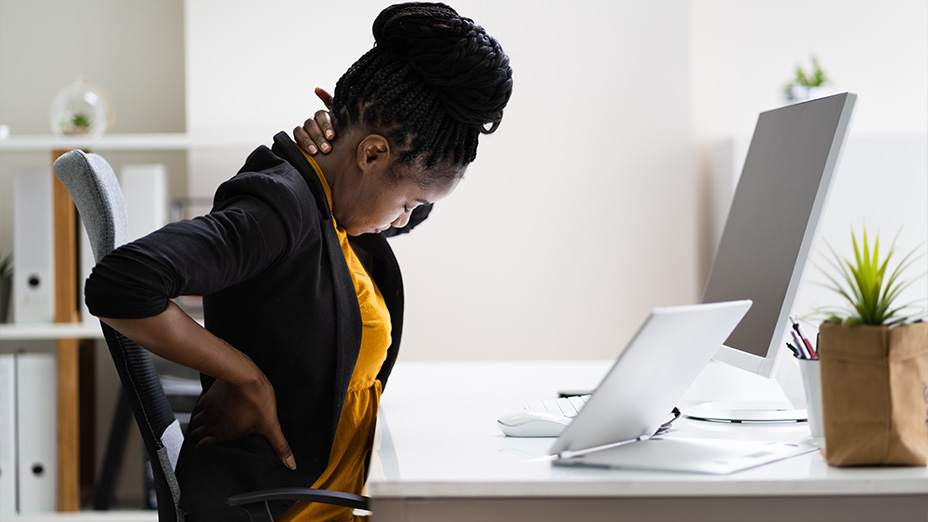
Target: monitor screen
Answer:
pixel 764 247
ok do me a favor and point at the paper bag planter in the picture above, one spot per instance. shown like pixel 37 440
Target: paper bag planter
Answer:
pixel 875 394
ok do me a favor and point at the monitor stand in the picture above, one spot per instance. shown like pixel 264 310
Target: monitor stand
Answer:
pixel 747 412
pixel 787 375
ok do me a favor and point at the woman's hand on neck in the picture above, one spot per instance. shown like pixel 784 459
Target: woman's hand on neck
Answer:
pixel 337 163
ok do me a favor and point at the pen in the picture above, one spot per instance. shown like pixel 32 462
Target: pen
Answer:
pixel 805 341
pixel 803 350
pixel 796 353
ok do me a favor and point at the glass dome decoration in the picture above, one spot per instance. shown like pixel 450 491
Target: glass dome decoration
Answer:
pixel 81 108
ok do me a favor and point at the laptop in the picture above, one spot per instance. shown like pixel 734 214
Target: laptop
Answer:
pixel 616 426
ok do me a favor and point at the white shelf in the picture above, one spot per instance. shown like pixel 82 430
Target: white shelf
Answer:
pixel 41 331
pixel 149 141
pixel 85 516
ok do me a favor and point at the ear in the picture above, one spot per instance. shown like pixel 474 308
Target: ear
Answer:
pixel 374 153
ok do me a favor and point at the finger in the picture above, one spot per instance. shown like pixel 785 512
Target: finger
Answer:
pixel 199 434
pixel 200 405
pixel 313 127
pixel 206 441
pixel 196 421
pixel 305 142
pixel 275 437
pixel 323 95
pixel 324 122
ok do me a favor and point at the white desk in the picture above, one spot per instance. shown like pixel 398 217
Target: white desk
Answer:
pixel 441 457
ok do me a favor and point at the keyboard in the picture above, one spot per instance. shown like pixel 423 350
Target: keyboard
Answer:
pixel 569 406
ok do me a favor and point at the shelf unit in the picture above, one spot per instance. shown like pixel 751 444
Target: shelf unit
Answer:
pixel 46 331
pixel 86 516
pixel 75 339
pixel 130 142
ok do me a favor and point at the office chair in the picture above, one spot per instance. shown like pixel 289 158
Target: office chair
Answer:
pixel 92 184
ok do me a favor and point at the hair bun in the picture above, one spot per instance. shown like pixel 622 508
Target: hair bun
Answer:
pixel 465 67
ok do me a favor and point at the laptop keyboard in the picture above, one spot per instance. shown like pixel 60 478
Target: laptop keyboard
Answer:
pixel 568 406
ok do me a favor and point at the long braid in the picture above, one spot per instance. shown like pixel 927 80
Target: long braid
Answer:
pixel 432 83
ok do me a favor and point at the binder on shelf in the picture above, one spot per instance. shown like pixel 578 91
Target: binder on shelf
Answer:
pixel 8 494
pixel 145 188
pixel 33 248
pixel 36 432
pixel 85 265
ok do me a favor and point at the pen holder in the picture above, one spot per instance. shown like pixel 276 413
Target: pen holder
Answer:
pixel 812 384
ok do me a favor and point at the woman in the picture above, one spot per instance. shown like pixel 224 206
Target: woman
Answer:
pixel 303 299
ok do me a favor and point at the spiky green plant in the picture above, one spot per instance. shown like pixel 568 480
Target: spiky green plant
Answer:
pixel 817 77
pixel 869 290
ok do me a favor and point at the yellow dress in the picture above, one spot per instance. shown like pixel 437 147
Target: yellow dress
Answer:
pixel 354 435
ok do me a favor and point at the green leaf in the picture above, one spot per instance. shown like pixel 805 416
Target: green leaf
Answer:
pixel 869 284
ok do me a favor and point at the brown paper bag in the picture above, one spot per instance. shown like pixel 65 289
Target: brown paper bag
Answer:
pixel 875 394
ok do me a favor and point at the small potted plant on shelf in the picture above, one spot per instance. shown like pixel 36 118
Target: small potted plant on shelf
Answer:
pixel 80 124
pixel 82 108
pixel 807 86
pixel 874 360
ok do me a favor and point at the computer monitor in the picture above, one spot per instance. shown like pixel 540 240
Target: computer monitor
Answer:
pixel 764 248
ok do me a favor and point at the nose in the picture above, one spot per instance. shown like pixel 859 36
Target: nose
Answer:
pixel 401 220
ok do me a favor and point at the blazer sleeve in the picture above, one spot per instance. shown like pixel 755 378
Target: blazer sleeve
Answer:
pixel 255 220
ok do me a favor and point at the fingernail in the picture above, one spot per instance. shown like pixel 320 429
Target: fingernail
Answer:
pixel 324 147
pixel 311 149
pixel 291 463
pixel 329 134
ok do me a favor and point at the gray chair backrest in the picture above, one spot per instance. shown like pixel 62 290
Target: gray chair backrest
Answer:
pixel 95 190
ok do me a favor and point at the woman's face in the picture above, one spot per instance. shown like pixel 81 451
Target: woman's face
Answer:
pixel 377 199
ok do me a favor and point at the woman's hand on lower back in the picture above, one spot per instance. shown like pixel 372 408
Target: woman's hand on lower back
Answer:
pixel 240 402
pixel 227 412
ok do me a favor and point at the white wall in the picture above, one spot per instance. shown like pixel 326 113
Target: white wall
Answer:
pixel 742 55
pixel 134 49
pixel 578 215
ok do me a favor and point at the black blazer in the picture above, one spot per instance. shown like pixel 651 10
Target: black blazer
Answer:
pixel 276 286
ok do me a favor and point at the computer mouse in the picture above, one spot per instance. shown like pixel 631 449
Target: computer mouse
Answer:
pixel 531 423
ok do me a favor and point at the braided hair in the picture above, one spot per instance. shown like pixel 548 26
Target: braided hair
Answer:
pixel 431 84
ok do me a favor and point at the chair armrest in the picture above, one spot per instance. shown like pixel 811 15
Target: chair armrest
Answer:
pixel 255 502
